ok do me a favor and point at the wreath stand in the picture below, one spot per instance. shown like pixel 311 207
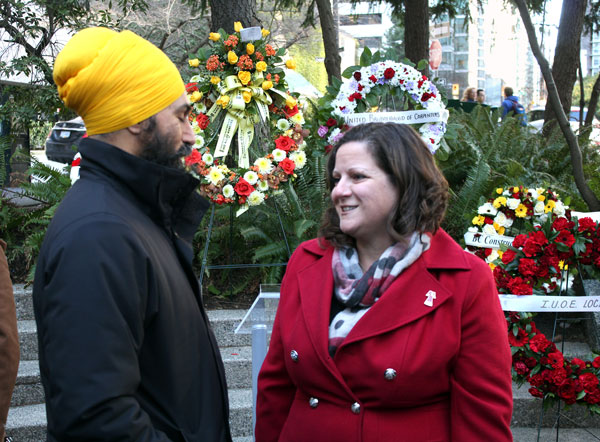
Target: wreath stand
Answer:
pixel 205 265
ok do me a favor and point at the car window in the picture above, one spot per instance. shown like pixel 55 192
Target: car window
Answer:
pixel 574 115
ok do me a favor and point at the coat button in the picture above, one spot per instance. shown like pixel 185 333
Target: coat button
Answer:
pixel 355 408
pixel 313 402
pixel 294 355
pixel 390 374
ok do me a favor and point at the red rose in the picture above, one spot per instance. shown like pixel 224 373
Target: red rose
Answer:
pixel 373 78
pixel 355 96
pixel 426 96
pixel 193 158
pixel 360 87
pixel 389 73
pixel 521 368
pixel 487 220
pixel 290 111
pixel 288 166
pixel 331 122
pixel 284 143
pixel 202 121
pixel 357 75
pixel 243 188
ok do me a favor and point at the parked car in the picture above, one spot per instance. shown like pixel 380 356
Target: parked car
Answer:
pixel 62 143
pixel 536 121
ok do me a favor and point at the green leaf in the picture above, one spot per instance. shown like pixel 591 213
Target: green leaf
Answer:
pixel 536 369
pixel 372 100
pixel 422 65
pixel 280 52
pixel 336 82
pixel 349 71
pixel 365 57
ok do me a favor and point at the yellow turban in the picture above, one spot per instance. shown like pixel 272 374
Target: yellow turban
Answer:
pixel 114 79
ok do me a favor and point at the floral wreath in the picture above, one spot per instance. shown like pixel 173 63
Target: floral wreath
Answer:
pixel 373 80
pixel 240 88
pixel 513 209
pixel 536 263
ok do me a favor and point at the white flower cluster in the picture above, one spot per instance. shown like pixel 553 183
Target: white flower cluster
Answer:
pixel 397 75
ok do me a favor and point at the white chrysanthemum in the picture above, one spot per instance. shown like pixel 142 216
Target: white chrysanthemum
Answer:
pixel 501 219
pixel 197 129
pixel 487 209
pixel 538 209
pixel 512 203
pixel 199 142
pixel 207 158
pixel 215 175
pixel 264 165
pixel 200 107
pixel 298 118
pixel 283 124
pixel 251 176
pixel 279 155
pixel 533 192
pixel 473 229
pixel 299 158
pixel 559 208
pixel 228 191
pixel 333 135
pixel 256 198
pixel 489 229
pixel 263 186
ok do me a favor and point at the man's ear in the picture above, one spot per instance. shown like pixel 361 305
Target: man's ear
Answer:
pixel 138 128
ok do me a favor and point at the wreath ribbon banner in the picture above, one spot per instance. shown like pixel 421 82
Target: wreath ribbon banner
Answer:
pixel 528 303
pixel 402 117
pixel 485 241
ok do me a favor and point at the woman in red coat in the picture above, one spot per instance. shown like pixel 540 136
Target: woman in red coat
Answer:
pixel 386 329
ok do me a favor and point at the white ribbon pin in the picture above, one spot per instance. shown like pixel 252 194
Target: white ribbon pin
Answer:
pixel 430 297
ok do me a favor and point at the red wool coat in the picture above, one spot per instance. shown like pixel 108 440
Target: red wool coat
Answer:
pixel 406 372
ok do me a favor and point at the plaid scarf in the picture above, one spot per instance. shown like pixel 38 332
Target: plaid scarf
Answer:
pixel 358 291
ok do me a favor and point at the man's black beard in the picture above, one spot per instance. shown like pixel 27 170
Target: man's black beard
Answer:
pixel 156 148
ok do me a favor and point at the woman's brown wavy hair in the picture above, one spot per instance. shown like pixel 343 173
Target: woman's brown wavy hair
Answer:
pixel 401 153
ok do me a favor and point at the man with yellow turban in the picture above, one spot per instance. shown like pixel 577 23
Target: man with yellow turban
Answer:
pixel 126 351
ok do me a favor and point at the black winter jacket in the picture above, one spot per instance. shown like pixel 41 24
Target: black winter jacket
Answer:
pixel 126 352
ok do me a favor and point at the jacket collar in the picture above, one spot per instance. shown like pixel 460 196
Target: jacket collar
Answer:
pixel 406 305
pixel 165 194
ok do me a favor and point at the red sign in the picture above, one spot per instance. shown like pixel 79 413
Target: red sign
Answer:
pixel 435 54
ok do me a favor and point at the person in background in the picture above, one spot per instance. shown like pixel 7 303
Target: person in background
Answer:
pixel 125 348
pixel 9 341
pixel 386 330
pixel 511 104
pixel 469 95
pixel 481 96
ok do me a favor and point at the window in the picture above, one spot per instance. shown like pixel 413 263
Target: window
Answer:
pixel 481 73
pixel 461 44
pixel 460 25
pixel 360 19
pixel 461 62
pixel 480 63
pixel 371 42
pixel 480 53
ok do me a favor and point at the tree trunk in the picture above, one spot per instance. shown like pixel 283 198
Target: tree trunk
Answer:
pixel 416 31
pixel 554 100
pixel 225 12
pixel 333 61
pixel 593 104
pixel 566 56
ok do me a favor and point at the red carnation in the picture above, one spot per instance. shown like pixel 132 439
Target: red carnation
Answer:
pixel 284 143
pixel 586 224
pixel 520 286
pixel 539 343
pixel 531 248
pixel 567 391
pixel 521 368
pixel 508 256
pixel 243 187
pixel 355 96
pixel 331 122
pixel 527 267
pixel 373 78
pixel 535 392
pixel 288 166
pixel 202 121
pixel 519 240
pixel 538 237
pixel 191 87
pixel 562 223
pixel 357 75
pixel 193 158
pixel 389 73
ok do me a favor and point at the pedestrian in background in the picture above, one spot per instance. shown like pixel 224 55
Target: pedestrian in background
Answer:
pixel 511 105
pixel 386 330
pixel 469 95
pixel 9 340
pixel 481 96
pixel 126 351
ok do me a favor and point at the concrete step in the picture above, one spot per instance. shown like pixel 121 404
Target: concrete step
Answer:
pixel 28 388
pixel 28 423
pixel 549 434
pixel 23 301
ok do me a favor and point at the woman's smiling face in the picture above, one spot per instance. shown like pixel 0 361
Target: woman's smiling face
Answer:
pixel 363 195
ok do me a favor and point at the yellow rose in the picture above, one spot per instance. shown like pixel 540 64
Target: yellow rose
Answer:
pixel 232 58
pixel 194 62
pixel 247 96
pixel 515 189
pixel 290 102
pixel 215 80
pixel 237 26
pixel 290 64
pixel 214 36
pixel 244 77
pixel 264 32
pixel 249 49
pixel 541 198
pixel 261 66
pixel 223 101
pixel 499 190
pixel 266 85
pixel 196 96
